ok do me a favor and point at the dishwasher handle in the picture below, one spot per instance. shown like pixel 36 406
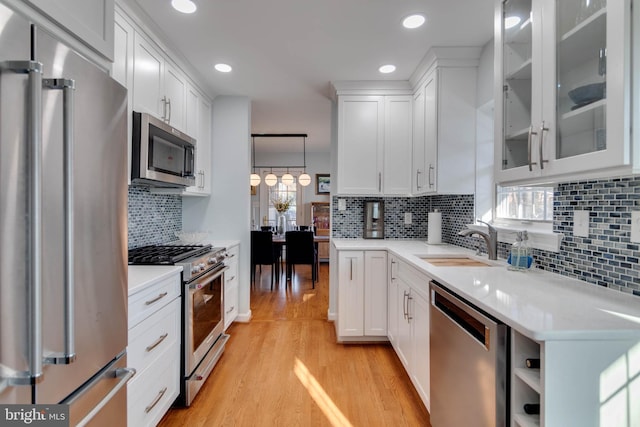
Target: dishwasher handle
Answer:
pixel 466 317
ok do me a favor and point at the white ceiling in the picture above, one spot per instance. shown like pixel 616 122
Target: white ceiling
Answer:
pixel 284 53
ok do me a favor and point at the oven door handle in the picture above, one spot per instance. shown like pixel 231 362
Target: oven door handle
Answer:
pixel 203 281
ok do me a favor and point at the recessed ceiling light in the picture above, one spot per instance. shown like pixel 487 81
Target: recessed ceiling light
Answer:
pixel 511 21
pixel 184 6
pixel 223 68
pixel 385 69
pixel 413 21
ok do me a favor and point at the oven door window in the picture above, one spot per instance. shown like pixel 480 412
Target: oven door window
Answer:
pixel 168 154
pixel 207 310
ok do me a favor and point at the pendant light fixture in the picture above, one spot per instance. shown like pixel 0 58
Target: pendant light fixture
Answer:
pixel 304 179
pixel 254 178
pixel 271 179
pixel 287 179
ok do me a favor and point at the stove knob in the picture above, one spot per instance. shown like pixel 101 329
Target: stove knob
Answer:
pixel 212 260
pixel 202 266
pixel 195 269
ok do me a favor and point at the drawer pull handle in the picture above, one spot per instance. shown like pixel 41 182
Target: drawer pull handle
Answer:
pixel 155 401
pixel 159 297
pixel 158 341
pixel 231 278
pixel 231 309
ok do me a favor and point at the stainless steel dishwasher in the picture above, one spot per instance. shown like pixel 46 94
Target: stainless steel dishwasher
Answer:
pixel 469 381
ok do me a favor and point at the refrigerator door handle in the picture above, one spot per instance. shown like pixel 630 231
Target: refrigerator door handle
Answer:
pixel 125 375
pixel 34 278
pixel 67 86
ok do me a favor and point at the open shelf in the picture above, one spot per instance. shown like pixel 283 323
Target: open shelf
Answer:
pixel 531 377
pixel 581 43
pixel 582 119
pixel 519 135
pixel 519 34
pixel 523 72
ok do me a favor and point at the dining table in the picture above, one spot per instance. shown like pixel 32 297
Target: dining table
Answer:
pixel 280 241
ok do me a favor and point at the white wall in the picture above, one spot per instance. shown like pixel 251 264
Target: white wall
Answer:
pixel 226 213
pixel 485 192
pixel 484 92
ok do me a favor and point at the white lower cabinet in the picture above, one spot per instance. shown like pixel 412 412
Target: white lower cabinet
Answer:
pixel 362 296
pixel 153 351
pixel 579 382
pixel 231 286
pixel 408 313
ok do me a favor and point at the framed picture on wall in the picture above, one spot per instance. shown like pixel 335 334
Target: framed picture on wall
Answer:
pixel 323 183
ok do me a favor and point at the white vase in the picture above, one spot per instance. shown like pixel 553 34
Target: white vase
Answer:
pixel 282 223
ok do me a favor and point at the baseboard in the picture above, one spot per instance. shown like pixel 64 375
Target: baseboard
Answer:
pixel 243 317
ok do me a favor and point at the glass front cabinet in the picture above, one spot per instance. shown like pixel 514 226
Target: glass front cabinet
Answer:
pixel 563 88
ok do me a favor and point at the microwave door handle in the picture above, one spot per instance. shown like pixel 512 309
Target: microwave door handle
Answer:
pixel 67 86
pixel 34 373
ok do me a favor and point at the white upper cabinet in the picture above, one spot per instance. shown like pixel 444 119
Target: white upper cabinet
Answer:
pixel 360 144
pixel 175 93
pixel 122 68
pixel 159 88
pixel 562 89
pixel 91 21
pixel 444 123
pixel 374 143
pixel 148 73
pixel 398 137
pixel 198 122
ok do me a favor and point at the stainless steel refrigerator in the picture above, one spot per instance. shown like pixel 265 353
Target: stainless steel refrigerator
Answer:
pixel 63 228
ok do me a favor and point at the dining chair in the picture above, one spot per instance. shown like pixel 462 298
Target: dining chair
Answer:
pixel 264 252
pixel 301 249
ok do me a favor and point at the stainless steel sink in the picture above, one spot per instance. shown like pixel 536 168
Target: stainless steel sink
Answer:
pixel 454 261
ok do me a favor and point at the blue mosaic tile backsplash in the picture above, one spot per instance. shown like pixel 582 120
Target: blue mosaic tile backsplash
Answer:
pixel 153 218
pixel 607 257
pixel 457 211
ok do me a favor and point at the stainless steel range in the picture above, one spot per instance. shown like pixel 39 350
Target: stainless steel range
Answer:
pixel 203 337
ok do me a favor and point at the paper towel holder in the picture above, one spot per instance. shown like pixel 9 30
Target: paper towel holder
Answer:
pixel 373 219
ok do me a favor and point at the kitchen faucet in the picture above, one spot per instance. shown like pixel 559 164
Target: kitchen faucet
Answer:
pixel 491 238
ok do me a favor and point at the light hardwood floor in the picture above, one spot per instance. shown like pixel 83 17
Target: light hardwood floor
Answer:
pixel 284 368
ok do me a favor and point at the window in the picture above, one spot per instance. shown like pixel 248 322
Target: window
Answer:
pixel 283 192
pixel 524 203
pixel 266 213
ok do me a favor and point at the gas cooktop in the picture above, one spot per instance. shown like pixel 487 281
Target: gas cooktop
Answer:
pixel 169 254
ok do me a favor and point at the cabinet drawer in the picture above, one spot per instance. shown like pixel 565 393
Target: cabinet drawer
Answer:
pixel 232 254
pixel 149 301
pixel 154 336
pixel 230 304
pixel 151 393
pixel 416 279
pixel 231 275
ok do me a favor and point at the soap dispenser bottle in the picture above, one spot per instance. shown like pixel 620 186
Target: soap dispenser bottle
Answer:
pixel 527 250
pixel 517 257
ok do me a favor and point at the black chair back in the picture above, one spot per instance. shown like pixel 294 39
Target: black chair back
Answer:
pixel 300 247
pixel 262 252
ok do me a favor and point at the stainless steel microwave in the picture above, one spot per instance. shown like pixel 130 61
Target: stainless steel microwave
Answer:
pixel 162 156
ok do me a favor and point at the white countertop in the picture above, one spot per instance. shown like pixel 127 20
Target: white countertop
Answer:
pixel 541 305
pixel 223 243
pixel 143 276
